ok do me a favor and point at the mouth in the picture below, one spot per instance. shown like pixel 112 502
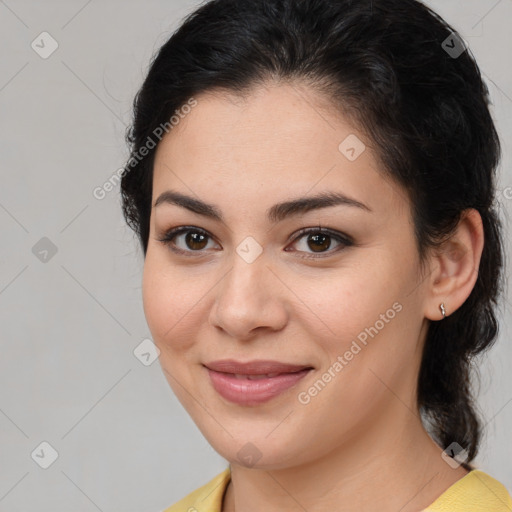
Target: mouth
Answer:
pixel 254 382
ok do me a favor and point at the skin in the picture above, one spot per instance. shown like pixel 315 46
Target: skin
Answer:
pixel 359 442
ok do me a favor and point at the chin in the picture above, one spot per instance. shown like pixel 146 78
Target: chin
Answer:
pixel 258 451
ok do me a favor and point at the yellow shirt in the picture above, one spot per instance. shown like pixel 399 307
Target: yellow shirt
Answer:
pixel 475 492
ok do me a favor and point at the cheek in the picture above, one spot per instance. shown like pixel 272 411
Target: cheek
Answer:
pixel 372 322
pixel 172 307
pixel 172 304
pixel 355 300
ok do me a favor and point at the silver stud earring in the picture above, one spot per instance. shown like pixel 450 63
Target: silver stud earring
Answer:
pixel 443 311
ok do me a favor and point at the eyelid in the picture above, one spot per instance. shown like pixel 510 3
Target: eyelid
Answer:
pixel 343 239
pixel 172 233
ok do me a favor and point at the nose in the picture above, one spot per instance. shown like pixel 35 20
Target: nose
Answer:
pixel 249 298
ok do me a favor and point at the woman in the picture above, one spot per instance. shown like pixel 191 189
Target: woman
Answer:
pixel 312 184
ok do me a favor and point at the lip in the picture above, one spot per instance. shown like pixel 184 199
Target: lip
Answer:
pixel 244 391
pixel 256 367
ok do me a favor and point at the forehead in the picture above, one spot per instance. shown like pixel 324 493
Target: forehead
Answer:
pixel 278 141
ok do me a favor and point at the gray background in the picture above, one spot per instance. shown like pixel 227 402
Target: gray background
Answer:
pixel 70 324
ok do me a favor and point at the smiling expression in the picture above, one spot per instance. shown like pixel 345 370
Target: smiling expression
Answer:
pixel 243 282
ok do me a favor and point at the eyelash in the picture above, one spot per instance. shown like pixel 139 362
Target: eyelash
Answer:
pixel 344 240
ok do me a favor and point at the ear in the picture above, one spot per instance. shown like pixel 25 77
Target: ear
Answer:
pixel 455 267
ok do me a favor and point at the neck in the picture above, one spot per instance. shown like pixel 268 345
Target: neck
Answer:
pixel 389 466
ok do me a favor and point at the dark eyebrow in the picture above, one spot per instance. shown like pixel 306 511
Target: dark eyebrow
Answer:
pixel 276 213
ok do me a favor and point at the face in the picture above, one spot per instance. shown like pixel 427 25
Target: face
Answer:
pixel 344 299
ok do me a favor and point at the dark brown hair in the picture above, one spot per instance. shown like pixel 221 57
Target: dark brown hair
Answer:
pixel 392 65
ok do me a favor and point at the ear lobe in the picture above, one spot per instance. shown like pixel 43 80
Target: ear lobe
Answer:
pixel 457 262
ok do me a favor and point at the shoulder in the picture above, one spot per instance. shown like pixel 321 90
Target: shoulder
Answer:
pixel 477 491
pixel 207 498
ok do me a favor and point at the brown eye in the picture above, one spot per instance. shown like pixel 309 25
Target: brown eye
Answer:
pixel 193 239
pixel 316 240
pixel 320 240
